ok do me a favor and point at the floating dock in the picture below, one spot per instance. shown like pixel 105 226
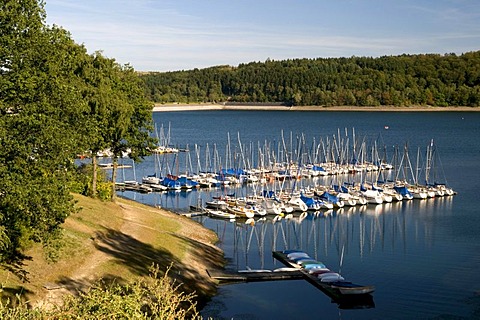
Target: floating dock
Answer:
pixel 254 275
pixel 346 296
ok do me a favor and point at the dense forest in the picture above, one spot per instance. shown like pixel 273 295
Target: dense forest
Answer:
pixel 423 79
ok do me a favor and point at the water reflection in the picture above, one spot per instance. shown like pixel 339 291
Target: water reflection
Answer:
pixel 392 227
pixel 359 230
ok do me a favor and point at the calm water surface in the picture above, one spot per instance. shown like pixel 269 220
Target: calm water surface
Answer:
pixel 422 256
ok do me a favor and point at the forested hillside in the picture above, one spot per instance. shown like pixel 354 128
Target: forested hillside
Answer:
pixel 424 79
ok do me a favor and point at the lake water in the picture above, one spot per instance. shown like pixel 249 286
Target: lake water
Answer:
pixel 422 256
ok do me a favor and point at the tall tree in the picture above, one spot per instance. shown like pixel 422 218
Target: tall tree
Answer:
pixel 120 114
pixel 131 131
pixel 100 96
pixel 40 108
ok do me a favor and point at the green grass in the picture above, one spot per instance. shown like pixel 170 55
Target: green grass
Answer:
pixel 128 236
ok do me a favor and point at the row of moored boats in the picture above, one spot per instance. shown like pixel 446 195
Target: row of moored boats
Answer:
pixel 319 198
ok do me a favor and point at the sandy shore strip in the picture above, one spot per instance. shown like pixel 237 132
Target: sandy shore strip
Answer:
pixel 186 107
pixel 206 106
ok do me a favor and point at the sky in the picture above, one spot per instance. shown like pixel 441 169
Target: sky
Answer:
pixel 170 35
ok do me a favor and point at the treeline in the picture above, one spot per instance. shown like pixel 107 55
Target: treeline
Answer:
pixel 57 102
pixel 423 79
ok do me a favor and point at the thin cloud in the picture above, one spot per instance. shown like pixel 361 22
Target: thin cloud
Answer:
pixel 175 35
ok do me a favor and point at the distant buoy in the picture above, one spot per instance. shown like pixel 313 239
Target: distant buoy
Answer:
pixel 386 127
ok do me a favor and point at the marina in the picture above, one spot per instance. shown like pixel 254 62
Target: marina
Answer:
pixel 420 254
pixel 293 176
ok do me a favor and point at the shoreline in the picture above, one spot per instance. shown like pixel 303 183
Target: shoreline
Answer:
pixel 208 107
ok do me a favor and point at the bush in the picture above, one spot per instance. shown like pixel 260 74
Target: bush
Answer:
pixel 80 181
pixel 104 190
pixel 155 297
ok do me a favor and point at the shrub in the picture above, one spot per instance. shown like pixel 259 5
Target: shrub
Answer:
pixel 155 297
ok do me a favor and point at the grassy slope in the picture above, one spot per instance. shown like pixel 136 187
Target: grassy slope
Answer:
pixel 118 241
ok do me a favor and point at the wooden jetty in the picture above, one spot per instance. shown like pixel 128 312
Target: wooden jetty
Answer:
pixel 254 275
pixel 142 188
pixel 346 294
pixel 193 214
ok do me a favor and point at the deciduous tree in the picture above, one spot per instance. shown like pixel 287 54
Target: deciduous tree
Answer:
pixel 40 106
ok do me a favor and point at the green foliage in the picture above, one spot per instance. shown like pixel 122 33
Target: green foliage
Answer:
pixel 125 120
pixel 40 108
pixel 424 79
pixel 155 297
pixel 19 313
pixel 104 190
pixel 54 246
pixel 4 240
pixel 120 115
pixel 56 101
pixel 80 181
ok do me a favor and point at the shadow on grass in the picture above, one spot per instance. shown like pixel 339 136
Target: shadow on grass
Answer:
pixel 134 254
pixel 16 266
pixel 125 250
pixel 14 296
pixel 82 285
pixel 139 257
pixel 190 277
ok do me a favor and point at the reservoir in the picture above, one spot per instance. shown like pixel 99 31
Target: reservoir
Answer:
pixel 421 255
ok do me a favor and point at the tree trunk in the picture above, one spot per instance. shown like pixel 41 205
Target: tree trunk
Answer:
pixel 94 182
pixel 114 177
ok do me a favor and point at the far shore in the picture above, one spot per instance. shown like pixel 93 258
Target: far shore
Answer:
pixel 206 106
